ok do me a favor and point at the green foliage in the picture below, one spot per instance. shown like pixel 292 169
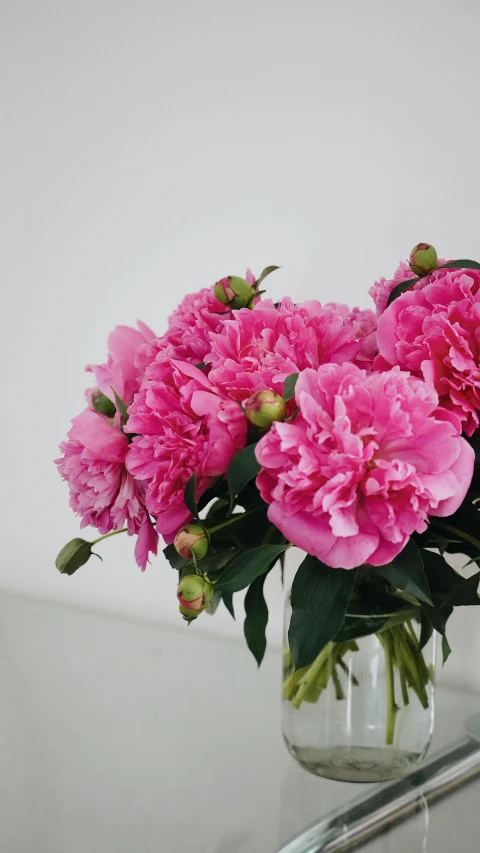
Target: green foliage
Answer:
pixel 264 274
pixel 447 586
pixel 121 407
pixel 446 650
pixel 289 387
pixel 74 554
pixel 243 468
pixel 401 288
pixel 245 568
pixel 189 496
pixel 463 264
pixel 227 598
pixel 406 572
pixel 320 597
pixel 256 619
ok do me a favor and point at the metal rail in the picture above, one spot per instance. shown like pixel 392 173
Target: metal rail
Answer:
pixel 348 829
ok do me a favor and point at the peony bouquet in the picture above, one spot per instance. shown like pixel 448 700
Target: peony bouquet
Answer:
pixel 252 426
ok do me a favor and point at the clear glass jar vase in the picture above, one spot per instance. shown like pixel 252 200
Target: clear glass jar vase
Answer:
pixel 363 711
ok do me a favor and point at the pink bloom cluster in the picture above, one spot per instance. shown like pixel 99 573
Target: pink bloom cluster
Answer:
pixel 382 288
pixel 258 349
pixel 367 460
pixel 370 447
pixel 189 329
pixel 121 371
pixel 434 332
pixel 185 427
pixel 102 491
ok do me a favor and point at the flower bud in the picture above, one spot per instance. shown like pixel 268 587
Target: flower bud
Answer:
pixel 194 594
pixel 423 259
pixel 191 541
pixel 102 404
pixel 235 292
pixel 265 407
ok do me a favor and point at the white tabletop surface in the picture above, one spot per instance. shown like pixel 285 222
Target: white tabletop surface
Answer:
pixel 119 736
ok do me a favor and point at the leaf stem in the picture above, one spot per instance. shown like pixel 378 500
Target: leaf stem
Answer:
pixel 237 517
pixel 107 535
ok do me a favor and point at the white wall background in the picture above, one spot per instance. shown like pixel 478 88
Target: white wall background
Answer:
pixel 148 148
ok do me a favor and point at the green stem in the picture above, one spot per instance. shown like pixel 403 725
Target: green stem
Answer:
pixel 233 520
pixel 392 707
pixel 312 673
pixel 343 665
pixel 107 535
pixel 398 649
pixel 338 687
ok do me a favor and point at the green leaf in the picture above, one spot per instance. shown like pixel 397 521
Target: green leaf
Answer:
pixel 426 630
pixel 243 468
pixel 256 619
pixel 122 408
pixel 244 569
pixel 400 618
pixel 264 274
pixel 211 608
pixel 400 288
pixel 446 650
pixel 457 532
pixel 190 499
pixel 463 264
pixel 320 597
pixel 361 626
pixel 289 387
pixel 438 616
pixel 251 531
pixel 406 572
pixel 447 586
pixel 175 560
pixel 74 554
pixel 228 602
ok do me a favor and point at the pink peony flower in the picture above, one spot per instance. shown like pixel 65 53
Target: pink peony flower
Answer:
pixel 258 349
pixel 382 288
pixel 184 427
pixel 120 371
pixel 189 328
pixel 435 333
pixel 364 322
pixel 363 465
pixel 102 491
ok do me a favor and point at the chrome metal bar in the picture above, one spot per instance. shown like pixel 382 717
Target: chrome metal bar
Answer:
pixel 350 828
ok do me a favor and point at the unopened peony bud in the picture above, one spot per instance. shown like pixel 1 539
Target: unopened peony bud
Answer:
pixel 234 292
pixel 194 594
pixel 191 541
pixel 102 404
pixel 265 407
pixel 423 259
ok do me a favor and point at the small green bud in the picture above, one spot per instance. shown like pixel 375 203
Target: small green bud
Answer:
pixel 423 259
pixel 103 405
pixel 194 594
pixel 234 292
pixel 265 407
pixel 191 541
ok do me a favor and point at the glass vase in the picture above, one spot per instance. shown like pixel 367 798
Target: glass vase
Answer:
pixel 363 711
